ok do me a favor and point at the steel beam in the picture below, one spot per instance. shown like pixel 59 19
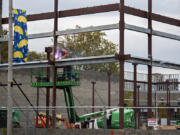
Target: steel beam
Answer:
pixel 40 35
pixel 88 29
pixel 100 9
pixel 165 35
pixel 116 26
pixel 101 28
pixel 93 60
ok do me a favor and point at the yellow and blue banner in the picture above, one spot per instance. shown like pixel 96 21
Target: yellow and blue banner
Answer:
pixel 20 36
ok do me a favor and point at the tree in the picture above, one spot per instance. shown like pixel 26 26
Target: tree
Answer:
pixel 4 49
pixel 34 56
pixel 91 44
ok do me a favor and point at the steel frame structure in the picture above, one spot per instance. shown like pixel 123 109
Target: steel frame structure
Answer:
pixel 101 59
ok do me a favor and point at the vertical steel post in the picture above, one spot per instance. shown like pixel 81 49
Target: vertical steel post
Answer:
pixel 169 112
pixel 54 66
pixel 37 104
pixel 93 88
pixel 155 104
pixel 121 62
pixel 109 88
pixel 48 51
pixel 47 106
pixel 167 102
pixel 138 104
pixel 105 120
pixel 27 121
pixel 134 93
pixel 47 102
pixel 10 70
pixel 150 56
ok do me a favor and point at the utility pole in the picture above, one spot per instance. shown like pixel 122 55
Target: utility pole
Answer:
pixel 10 71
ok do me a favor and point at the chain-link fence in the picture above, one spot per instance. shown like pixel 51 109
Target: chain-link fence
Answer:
pixel 31 119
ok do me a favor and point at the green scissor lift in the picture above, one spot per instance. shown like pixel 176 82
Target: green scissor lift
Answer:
pixel 64 80
pixel 39 79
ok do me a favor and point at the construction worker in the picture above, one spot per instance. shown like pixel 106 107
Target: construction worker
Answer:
pixel 67 69
pixel 64 53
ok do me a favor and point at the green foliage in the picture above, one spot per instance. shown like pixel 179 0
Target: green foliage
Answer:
pixel 4 49
pixel 4 52
pixel 91 44
pixel 34 56
pixel 162 111
pixel 128 95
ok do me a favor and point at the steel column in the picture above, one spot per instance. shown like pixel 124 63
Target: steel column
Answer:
pixel 169 111
pixel 109 88
pixel 48 51
pixel 121 63
pixel 134 93
pixel 37 104
pixel 93 103
pixel 155 103
pixel 54 66
pixel 138 104
pixel 167 102
pixel 93 89
pixel 150 57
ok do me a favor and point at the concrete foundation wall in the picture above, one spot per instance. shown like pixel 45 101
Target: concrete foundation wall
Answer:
pixel 95 132
pixel 82 94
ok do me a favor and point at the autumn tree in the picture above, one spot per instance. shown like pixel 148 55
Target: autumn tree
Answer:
pixel 32 55
pixel 35 56
pixel 91 44
pixel 4 49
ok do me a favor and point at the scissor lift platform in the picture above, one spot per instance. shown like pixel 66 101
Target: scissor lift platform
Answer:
pixel 39 78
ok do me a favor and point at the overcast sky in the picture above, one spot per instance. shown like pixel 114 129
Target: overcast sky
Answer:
pixel 135 43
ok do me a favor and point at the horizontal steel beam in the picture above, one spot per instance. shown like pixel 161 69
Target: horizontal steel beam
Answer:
pixel 101 28
pixel 116 26
pixel 100 9
pixel 165 35
pixel 88 29
pixel 93 60
pixel 31 36
pixel 40 35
